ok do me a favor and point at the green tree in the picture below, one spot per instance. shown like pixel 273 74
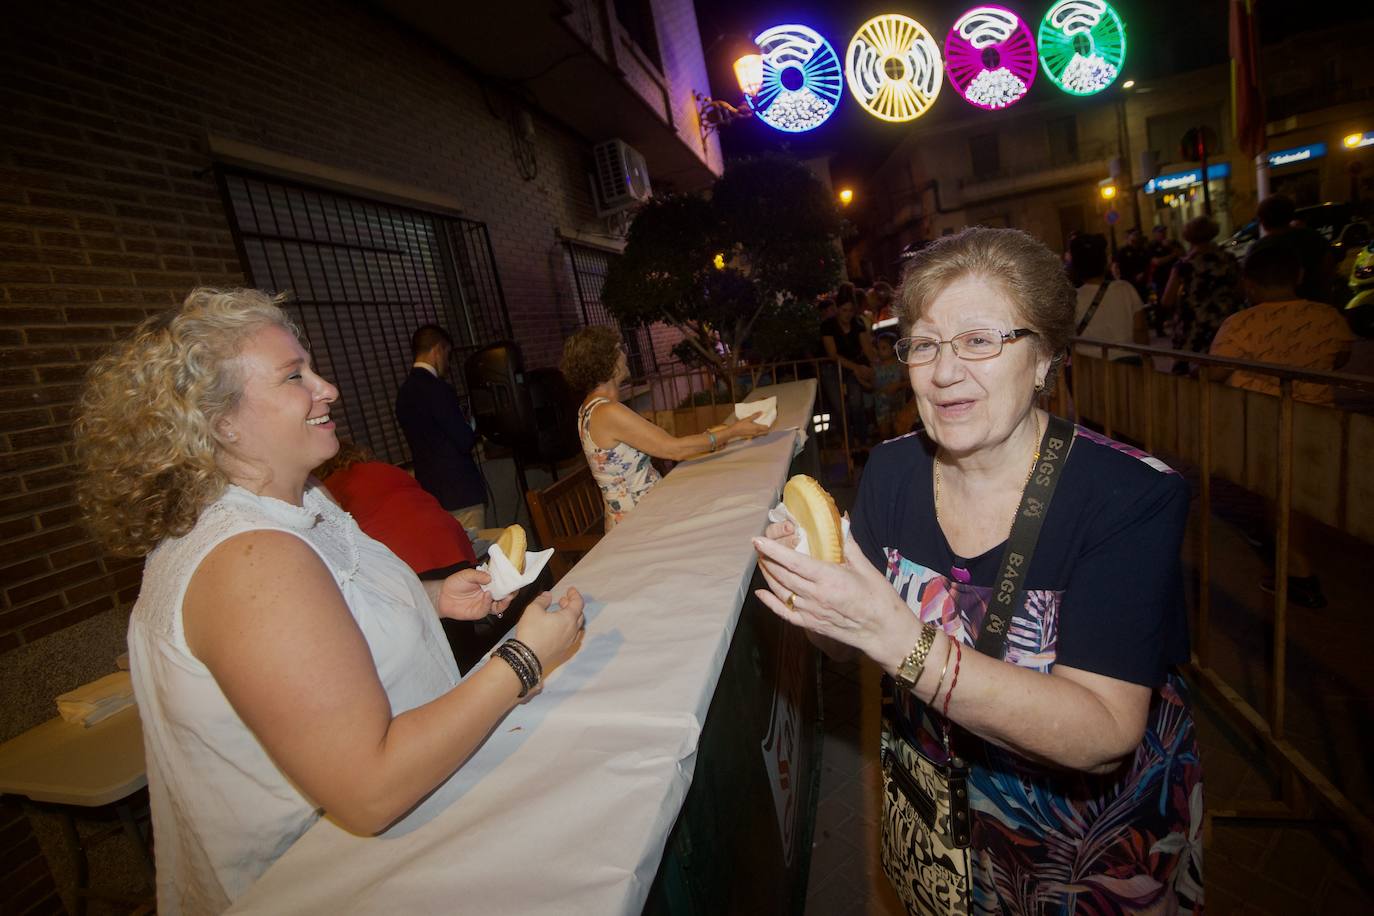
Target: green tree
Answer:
pixel 774 227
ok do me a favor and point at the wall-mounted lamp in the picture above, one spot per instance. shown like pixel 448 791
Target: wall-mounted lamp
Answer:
pixel 846 196
pixel 713 114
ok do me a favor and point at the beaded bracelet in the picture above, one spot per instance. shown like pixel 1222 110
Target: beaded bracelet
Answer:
pixel 529 678
pixel 528 655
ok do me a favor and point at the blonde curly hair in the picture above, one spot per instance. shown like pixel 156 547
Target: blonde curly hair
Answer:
pixel 145 432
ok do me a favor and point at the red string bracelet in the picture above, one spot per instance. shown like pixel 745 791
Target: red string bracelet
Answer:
pixel 954 681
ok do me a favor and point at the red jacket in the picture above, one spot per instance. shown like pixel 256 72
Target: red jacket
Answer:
pixel 391 507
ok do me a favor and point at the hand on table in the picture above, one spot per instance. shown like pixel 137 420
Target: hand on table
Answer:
pixel 747 428
pixel 552 634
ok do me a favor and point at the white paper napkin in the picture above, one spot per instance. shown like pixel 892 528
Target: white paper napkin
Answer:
pixel 779 513
pixel 505 580
pixel 769 407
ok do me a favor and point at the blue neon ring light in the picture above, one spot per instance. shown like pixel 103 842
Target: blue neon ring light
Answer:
pixel 810 59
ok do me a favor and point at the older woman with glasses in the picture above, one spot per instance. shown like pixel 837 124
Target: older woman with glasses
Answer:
pixel 1018 580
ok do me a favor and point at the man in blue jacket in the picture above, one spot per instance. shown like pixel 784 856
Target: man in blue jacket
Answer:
pixel 441 441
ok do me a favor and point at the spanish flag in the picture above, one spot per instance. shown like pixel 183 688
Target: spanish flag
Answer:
pixel 1247 97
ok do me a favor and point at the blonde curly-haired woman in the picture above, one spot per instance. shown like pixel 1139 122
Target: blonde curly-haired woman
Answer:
pixel 285 664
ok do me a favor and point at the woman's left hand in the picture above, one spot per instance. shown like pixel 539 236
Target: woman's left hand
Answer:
pixel 849 602
pixel 461 597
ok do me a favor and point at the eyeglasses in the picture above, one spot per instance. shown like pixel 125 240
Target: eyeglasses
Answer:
pixel 982 343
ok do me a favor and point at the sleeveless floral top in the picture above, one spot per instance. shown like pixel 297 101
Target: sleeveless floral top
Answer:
pixel 623 473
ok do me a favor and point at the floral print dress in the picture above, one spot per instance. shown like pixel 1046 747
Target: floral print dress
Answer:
pixel 623 473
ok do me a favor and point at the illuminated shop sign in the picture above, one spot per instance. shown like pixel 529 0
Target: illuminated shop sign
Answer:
pixel 1297 154
pixel 1175 180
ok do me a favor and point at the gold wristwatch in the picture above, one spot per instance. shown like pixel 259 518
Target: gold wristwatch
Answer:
pixel 910 669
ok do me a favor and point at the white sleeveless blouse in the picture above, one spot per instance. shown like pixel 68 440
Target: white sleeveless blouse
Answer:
pixel 222 810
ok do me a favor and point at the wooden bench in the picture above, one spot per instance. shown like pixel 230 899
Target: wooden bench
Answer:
pixel 569 515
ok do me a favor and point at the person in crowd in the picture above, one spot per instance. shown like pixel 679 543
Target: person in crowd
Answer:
pixel 847 341
pixel 1275 214
pixel 1085 785
pixel 619 443
pixel 1107 309
pixel 441 440
pixel 889 387
pixel 285 664
pixel 1203 290
pixel 881 300
pixel 1163 252
pixel 1067 257
pixel 391 506
pixel 1282 327
pixel 1132 263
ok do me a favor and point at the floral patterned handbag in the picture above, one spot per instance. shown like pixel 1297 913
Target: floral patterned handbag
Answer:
pixel 926 829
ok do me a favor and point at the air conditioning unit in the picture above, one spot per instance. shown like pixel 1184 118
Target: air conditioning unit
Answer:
pixel 622 177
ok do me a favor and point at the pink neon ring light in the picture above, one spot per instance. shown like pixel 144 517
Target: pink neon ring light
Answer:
pixel 990 57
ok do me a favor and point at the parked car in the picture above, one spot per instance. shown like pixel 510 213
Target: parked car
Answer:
pixel 1345 228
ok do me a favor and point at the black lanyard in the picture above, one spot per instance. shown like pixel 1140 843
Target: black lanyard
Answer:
pixel 1008 595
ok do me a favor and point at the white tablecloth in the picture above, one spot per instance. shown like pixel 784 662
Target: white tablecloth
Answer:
pixel 567 807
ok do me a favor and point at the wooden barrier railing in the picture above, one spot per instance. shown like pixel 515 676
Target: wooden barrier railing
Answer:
pixel 1250 439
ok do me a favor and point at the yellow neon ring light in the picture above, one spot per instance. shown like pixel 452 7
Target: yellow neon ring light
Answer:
pixel 893 68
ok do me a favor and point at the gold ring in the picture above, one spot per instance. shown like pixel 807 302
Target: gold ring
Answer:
pixel 791 601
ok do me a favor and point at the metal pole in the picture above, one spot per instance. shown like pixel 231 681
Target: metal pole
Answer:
pixel 1204 604
pixel 1285 504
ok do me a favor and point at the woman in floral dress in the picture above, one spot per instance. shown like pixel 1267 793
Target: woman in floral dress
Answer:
pixel 619 443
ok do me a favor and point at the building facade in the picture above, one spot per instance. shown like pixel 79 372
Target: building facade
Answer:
pixel 1041 165
pixel 387 163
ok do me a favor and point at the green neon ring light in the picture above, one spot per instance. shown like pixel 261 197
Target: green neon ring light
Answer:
pixel 1082 45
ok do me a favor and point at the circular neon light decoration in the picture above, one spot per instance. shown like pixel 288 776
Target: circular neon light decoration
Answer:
pixel 893 68
pixel 990 57
pixel 1082 45
pixel 801 84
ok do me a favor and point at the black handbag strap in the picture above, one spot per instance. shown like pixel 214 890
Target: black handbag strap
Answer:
pixel 1007 595
pixel 1092 309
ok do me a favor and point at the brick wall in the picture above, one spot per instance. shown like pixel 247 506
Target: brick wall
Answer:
pixel 108 213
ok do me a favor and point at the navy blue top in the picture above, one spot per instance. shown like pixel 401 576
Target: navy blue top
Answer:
pixel 1106 578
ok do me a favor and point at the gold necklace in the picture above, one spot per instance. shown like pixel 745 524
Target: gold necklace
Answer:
pixel 1035 459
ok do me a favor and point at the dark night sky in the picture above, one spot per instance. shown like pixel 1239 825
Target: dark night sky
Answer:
pixel 1163 36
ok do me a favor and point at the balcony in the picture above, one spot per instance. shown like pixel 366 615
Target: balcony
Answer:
pixel 574 60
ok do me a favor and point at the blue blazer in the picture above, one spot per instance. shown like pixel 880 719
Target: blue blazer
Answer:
pixel 440 439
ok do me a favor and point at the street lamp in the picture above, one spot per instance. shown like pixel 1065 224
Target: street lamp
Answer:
pixel 846 196
pixel 1107 190
pixel 713 114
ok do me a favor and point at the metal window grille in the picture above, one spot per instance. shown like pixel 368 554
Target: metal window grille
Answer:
pixel 589 267
pixel 363 276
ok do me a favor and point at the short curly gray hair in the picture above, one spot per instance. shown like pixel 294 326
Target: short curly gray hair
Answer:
pixel 1030 274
